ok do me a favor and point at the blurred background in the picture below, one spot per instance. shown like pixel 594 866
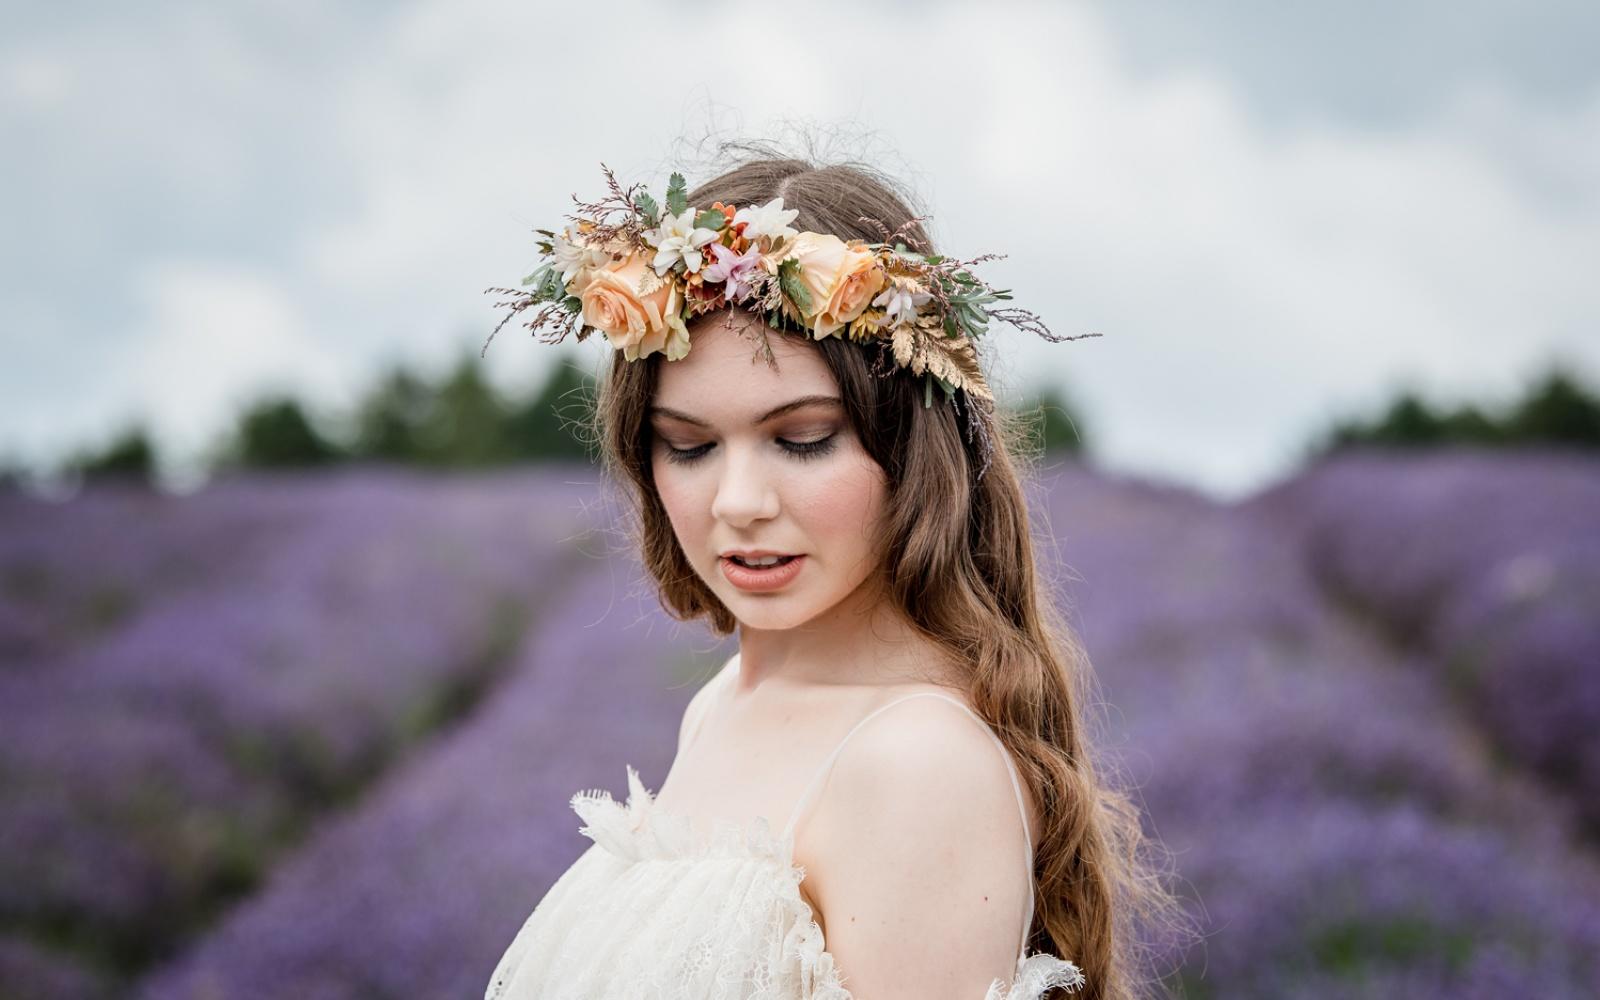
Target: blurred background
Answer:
pixel 312 618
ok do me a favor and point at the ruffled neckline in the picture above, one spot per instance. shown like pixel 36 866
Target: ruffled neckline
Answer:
pixel 639 830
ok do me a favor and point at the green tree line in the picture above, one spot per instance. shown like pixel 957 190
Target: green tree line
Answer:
pixel 457 421
pixel 1553 410
pixel 460 421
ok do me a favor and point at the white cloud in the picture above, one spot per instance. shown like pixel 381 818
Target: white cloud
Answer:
pixel 33 81
pixel 1246 279
pixel 348 210
pixel 217 337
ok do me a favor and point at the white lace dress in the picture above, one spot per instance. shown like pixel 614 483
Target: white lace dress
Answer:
pixel 651 911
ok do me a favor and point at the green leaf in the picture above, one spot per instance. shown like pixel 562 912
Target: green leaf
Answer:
pixel 677 194
pixel 711 219
pixel 572 304
pixel 543 280
pixel 789 281
pixel 647 207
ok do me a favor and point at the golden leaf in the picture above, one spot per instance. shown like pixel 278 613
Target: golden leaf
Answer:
pixel 788 311
pixel 958 365
pixel 904 339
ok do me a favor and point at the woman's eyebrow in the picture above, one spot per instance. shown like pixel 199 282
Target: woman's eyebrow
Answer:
pixel 776 411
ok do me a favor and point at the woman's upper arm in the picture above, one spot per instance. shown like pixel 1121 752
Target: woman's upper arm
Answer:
pixel 921 866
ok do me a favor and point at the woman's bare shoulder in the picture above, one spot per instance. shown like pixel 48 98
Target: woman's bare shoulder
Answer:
pixel 919 827
pixel 920 747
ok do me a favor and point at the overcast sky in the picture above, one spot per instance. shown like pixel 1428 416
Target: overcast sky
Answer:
pixel 1273 216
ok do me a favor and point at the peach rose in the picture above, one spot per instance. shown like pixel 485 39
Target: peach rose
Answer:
pixel 841 277
pixel 638 325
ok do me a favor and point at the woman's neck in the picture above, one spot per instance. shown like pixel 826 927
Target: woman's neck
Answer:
pixel 855 643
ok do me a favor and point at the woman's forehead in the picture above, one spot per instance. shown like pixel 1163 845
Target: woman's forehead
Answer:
pixel 725 377
pixel 804 404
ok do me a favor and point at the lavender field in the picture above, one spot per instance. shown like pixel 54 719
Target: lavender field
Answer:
pixel 313 736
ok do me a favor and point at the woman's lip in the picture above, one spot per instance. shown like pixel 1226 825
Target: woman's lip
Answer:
pixel 761 580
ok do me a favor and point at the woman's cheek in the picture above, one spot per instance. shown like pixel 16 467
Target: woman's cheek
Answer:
pixel 845 506
pixel 675 492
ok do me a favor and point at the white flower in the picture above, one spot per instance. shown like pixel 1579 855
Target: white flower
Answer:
pixel 900 301
pixel 677 238
pixel 771 219
pixel 573 255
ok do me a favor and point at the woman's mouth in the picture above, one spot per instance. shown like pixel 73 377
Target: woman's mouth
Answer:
pixel 759 578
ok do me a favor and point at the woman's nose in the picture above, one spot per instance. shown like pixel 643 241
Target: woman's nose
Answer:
pixel 745 491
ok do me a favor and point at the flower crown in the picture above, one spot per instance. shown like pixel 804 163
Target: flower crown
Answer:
pixel 637 271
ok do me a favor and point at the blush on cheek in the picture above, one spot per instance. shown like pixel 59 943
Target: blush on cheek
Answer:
pixel 680 504
pixel 844 506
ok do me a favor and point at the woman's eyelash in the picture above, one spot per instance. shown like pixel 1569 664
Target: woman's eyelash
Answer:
pixel 685 456
pixel 799 449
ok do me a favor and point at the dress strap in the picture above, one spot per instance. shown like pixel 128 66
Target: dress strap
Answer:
pixel 1011 768
pixel 728 669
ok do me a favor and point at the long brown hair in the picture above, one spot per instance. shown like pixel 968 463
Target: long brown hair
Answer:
pixel 960 566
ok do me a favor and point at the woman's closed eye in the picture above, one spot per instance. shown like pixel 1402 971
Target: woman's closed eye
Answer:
pixel 798 449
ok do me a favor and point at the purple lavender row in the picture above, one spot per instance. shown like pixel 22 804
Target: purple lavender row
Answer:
pixel 155 774
pixel 72 571
pixel 1343 830
pixel 1487 562
pixel 1341 827
pixel 418 892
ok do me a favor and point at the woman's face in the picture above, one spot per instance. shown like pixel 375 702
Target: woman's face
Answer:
pixel 749 458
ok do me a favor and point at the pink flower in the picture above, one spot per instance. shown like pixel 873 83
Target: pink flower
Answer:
pixel 736 269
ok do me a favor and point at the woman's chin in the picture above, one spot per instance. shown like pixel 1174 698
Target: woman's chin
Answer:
pixel 768 612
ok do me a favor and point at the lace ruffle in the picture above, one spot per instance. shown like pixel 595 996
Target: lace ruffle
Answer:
pixel 1036 974
pixel 638 831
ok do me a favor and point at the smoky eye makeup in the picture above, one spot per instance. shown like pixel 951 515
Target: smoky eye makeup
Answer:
pixel 814 443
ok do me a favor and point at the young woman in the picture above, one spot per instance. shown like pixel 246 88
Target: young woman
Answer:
pixel 905 700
